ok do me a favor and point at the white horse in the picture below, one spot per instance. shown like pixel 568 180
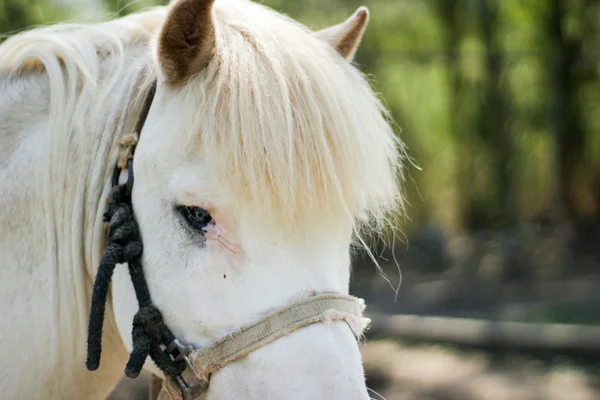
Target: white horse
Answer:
pixel 257 120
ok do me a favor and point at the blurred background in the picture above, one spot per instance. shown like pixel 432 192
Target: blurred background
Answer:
pixel 498 102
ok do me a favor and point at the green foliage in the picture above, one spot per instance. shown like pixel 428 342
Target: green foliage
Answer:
pixel 20 14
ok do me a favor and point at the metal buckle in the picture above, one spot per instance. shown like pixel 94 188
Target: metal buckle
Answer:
pixel 191 387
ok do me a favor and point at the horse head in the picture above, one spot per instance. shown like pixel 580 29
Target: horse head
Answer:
pixel 264 156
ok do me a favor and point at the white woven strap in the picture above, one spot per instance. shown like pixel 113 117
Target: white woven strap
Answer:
pixel 317 309
pixel 322 308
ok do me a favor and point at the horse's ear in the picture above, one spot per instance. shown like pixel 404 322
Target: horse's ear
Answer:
pixel 186 42
pixel 346 36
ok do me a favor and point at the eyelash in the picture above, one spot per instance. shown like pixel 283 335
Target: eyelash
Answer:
pixel 197 218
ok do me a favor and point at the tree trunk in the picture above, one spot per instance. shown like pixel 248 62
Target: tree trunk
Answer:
pixel 564 113
pixel 448 12
pixel 493 122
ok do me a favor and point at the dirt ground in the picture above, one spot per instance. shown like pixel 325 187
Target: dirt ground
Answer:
pixel 398 372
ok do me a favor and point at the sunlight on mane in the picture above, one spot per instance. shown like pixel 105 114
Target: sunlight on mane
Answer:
pixel 83 44
pixel 294 127
pixel 84 64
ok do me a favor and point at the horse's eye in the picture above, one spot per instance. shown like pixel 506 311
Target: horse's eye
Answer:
pixel 196 217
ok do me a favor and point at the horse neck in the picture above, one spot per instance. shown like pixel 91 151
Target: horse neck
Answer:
pixel 82 162
pixel 54 186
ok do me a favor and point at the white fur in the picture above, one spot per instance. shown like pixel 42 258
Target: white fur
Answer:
pixel 280 139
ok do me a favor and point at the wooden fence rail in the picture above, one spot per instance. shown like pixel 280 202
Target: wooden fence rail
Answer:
pixel 553 338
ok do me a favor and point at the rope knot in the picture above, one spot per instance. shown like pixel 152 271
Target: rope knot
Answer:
pixel 124 245
pixel 123 231
pixel 149 331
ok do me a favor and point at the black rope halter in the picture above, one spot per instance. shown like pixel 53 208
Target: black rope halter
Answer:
pixel 124 246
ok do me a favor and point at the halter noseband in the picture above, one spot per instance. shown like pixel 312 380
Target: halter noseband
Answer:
pixel 187 369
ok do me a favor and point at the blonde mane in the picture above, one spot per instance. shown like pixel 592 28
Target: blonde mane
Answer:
pixel 85 65
pixel 294 128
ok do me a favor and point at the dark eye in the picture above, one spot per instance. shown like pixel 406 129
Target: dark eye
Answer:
pixel 196 217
